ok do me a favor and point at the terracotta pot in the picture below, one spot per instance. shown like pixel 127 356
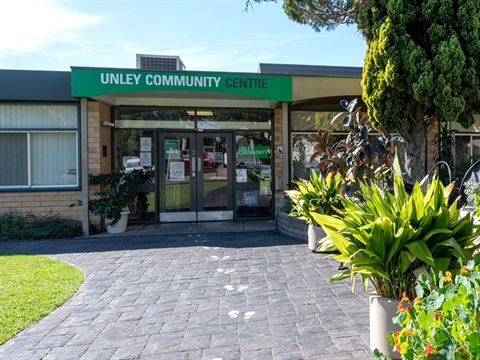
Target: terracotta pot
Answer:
pixel 382 311
pixel 315 233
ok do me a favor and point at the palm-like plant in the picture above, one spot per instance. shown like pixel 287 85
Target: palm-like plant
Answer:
pixel 319 194
pixel 387 236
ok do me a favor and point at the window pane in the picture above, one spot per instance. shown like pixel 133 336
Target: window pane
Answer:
pixel 13 162
pixel 314 120
pixel 38 116
pixel 252 119
pixel 253 174
pixel 54 159
pixel 148 117
pixel 462 154
pixel 302 150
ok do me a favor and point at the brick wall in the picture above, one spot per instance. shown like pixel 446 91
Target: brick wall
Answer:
pixel 42 203
pixel 98 137
pixel 278 160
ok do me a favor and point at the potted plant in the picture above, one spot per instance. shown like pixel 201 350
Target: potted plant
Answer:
pixel 318 194
pixel 111 199
pixel 440 322
pixel 388 237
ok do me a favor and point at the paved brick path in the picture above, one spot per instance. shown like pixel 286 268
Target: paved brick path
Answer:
pixel 208 297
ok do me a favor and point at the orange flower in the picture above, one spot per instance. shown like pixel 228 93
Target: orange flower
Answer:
pixel 435 313
pixel 404 297
pixel 408 331
pixel 417 300
pixel 448 277
pixel 400 308
pixel 429 350
pixel 463 270
pixel 398 344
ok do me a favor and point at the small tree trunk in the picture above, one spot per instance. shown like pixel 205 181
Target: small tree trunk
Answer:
pixel 415 156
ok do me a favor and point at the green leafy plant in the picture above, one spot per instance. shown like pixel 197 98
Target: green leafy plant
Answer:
pixel 318 194
pixel 388 236
pixel 443 322
pixel 15 226
pixel 359 157
pixel 112 197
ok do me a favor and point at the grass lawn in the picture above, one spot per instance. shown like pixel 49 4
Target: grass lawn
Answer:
pixel 32 286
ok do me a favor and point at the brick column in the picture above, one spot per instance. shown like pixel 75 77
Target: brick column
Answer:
pixel 98 137
pixel 278 159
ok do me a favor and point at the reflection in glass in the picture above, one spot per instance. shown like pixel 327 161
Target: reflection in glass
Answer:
pixel 135 151
pixel 177 174
pixel 314 120
pixel 242 119
pixel 253 174
pixel 154 117
pixel 302 150
pixel 215 194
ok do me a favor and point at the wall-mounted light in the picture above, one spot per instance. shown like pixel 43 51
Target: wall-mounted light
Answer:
pixel 106 123
pixel 200 112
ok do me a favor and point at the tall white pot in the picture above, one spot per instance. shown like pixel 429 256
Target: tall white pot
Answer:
pixel 120 226
pixel 315 233
pixel 382 311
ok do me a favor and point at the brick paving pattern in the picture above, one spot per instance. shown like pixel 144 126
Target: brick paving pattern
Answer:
pixel 215 296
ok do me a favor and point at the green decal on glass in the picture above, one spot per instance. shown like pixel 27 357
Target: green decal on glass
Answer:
pixel 172 149
pixel 259 152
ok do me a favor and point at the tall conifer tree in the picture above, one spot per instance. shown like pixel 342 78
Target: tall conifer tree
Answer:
pixel 422 62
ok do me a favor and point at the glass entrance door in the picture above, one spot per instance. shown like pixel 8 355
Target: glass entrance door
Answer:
pixel 195 179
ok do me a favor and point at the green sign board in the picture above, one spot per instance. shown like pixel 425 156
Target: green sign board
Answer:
pixel 91 82
pixel 259 152
pixel 172 149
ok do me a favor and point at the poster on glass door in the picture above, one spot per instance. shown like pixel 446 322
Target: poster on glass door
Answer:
pixel 176 171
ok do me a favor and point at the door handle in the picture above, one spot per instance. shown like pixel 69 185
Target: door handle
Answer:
pixel 193 167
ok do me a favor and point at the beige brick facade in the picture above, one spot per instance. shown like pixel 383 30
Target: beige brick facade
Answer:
pixel 278 159
pixel 41 203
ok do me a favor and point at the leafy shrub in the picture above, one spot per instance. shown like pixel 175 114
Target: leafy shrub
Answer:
pixel 317 195
pixel 387 237
pixel 358 158
pixel 440 323
pixel 15 226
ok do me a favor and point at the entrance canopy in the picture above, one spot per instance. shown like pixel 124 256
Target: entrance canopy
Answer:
pixel 140 87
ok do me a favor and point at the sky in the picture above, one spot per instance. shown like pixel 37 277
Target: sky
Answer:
pixel 208 35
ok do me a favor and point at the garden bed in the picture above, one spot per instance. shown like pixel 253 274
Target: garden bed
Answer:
pixel 291 226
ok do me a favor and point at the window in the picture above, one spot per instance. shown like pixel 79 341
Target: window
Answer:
pixel 39 146
pixel 253 172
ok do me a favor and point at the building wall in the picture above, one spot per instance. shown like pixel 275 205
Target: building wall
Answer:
pixel 98 137
pixel 57 202
pixel 41 203
pixel 278 159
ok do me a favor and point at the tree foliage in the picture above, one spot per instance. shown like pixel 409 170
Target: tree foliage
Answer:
pixel 320 14
pixel 422 62
pixel 421 53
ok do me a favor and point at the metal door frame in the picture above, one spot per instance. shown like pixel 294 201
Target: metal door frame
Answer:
pixel 196 169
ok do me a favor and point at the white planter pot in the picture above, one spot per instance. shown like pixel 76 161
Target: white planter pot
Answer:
pixel 382 311
pixel 120 226
pixel 315 233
